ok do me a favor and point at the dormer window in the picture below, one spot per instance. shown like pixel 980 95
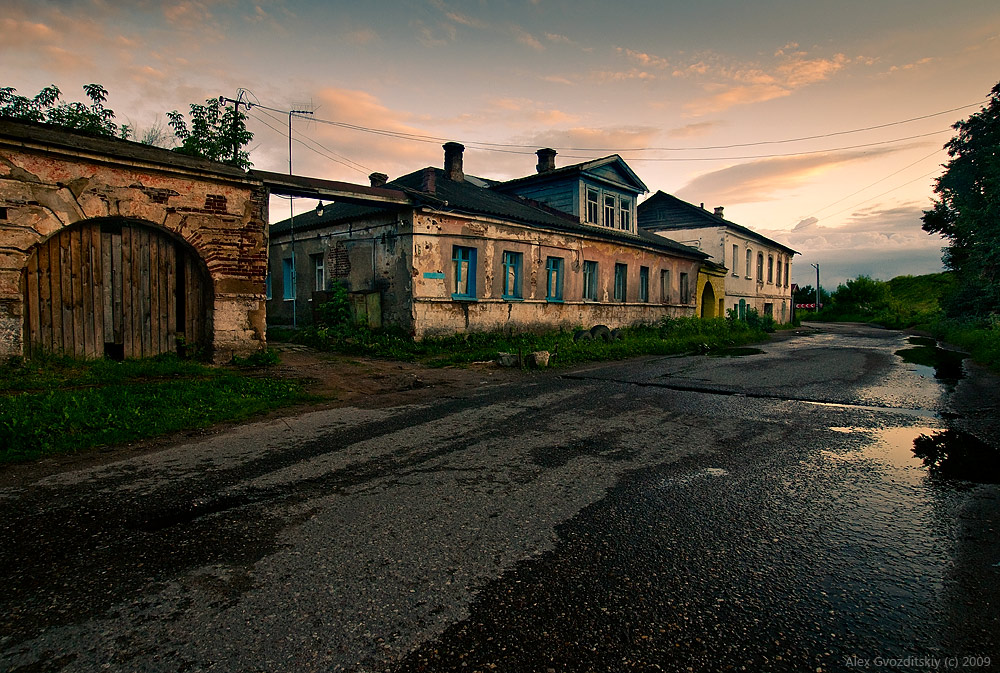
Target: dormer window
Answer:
pixel 592 206
pixel 625 214
pixel 609 211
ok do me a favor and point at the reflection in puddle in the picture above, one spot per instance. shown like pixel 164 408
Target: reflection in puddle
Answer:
pixel 889 446
pixel 952 454
pixel 735 352
pixel 931 361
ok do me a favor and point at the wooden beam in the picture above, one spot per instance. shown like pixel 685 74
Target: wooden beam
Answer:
pixel 340 192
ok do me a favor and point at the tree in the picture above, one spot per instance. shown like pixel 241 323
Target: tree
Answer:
pixel 215 133
pixel 807 295
pixel 861 295
pixel 967 211
pixel 45 107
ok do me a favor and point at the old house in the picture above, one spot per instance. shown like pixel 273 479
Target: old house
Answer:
pixel 109 247
pixel 558 248
pixel 757 269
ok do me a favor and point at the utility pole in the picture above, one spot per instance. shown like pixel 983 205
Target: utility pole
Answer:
pixel 291 219
pixel 816 266
pixel 236 118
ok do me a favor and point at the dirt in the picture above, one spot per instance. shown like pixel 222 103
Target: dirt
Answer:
pixel 338 380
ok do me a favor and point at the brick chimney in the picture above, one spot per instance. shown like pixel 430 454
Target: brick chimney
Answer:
pixel 718 211
pixel 428 182
pixel 546 160
pixel 378 179
pixel 453 161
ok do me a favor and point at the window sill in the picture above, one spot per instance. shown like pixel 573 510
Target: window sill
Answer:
pixel 463 297
pixel 553 300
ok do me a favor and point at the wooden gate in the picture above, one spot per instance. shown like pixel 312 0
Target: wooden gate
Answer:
pixel 113 288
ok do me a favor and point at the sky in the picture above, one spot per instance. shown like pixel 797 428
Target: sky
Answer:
pixel 818 124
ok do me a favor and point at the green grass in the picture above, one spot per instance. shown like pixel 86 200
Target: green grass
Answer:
pixel 980 340
pixel 666 338
pixel 58 405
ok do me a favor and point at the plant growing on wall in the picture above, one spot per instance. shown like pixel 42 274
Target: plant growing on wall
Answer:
pixel 45 107
pixel 215 132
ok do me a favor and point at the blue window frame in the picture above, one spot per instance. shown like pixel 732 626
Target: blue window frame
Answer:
pixel 288 278
pixel 464 260
pixel 512 274
pixel 643 283
pixel 621 281
pixel 554 279
pixel 590 281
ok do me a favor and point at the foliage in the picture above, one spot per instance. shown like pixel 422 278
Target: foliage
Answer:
pixel 752 319
pixel 979 337
pixel 670 336
pixel 335 312
pixel 45 107
pixel 861 295
pixel 215 133
pixel 967 212
pixel 60 404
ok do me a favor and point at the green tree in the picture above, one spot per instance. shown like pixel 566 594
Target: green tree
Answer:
pixel 861 295
pixel 967 211
pixel 807 295
pixel 45 107
pixel 216 132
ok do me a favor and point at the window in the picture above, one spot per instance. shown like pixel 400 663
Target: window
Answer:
pixel 643 283
pixel 769 310
pixel 770 268
pixel 786 273
pixel 665 286
pixel 685 289
pixel 511 275
pixel 590 281
pixel 288 278
pixel 609 211
pixel 267 285
pixel 464 260
pixel 318 272
pixel 621 282
pixel 760 267
pixel 554 276
pixel 625 214
pixel 777 278
pixel 736 260
pixel 592 216
pixel 749 261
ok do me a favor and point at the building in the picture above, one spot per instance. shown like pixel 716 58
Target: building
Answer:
pixel 758 269
pixel 558 248
pixel 113 248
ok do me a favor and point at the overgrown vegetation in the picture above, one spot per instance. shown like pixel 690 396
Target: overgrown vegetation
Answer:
pixel 335 331
pixel 45 106
pixel 57 404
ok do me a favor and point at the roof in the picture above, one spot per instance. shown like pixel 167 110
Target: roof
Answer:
pixel 48 137
pixel 468 198
pixel 679 214
pixel 575 169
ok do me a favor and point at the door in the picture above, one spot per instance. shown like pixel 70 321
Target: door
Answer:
pixel 114 288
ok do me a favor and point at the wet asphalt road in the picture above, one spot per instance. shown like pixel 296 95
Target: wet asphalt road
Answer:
pixel 763 512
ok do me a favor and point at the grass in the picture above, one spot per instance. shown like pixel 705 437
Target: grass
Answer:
pixel 981 340
pixel 669 337
pixel 56 405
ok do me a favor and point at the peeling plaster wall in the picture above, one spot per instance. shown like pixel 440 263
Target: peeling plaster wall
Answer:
pixel 45 189
pixel 435 312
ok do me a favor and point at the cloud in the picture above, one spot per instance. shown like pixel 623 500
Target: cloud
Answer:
pixel 556 79
pixel 187 14
pixel 556 38
pixel 728 84
pixel 519 109
pixel 762 179
pixel 361 36
pixel 910 66
pixel 24 33
pixel 644 59
pixel 693 130
pixel 604 76
pixel 526 38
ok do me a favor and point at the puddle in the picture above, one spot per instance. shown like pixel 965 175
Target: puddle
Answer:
pixel 735 352
pixel 931 361
pixel 952 454
pixel 891 447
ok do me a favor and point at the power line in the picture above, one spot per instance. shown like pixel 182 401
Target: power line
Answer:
pixel 905 184
pixel 350 163
pixel 343 162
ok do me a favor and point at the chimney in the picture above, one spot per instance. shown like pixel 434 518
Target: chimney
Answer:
pixel 428 183
pixel 703 205
pixel 546 160
pixel 453 161
pixel 718 211
pixel 378 179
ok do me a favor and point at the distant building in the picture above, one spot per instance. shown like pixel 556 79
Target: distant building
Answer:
pixel 558 248
pixel 758 269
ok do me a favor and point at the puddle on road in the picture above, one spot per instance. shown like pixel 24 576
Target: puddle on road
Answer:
pixel 918 451
pixel 952 454
pixel 735 352
pixel 931 361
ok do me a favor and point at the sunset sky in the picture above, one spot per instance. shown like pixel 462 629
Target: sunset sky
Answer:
pixel 698 97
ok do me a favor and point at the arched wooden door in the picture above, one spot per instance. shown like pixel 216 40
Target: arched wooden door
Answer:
pixel 708 301
pixel 114 288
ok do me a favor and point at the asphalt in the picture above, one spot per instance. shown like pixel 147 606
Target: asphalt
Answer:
pixel 763 512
